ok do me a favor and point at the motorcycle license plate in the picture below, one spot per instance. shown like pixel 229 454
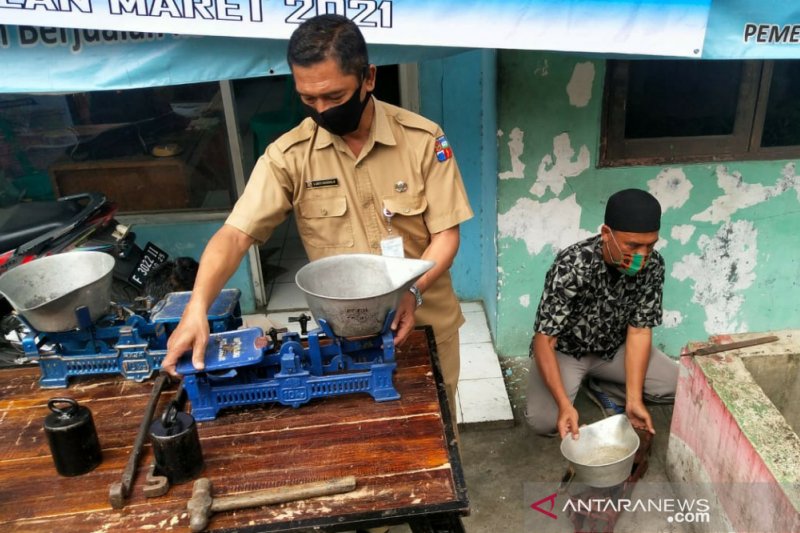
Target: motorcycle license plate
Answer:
pixel 152 256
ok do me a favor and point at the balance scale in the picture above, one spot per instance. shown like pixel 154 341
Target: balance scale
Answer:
pixel 353 298
pixel 127 342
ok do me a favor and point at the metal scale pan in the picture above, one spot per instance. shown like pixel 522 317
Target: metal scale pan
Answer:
pixel 353 293
pixel 47 291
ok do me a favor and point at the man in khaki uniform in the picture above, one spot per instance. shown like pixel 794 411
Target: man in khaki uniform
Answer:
pixel 357 172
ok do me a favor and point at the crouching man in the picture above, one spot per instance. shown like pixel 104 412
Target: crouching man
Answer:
pixel 601 299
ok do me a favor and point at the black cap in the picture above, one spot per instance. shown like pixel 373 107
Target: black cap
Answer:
pixel 633 210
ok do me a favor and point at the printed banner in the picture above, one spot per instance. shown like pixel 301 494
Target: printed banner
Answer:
pixel 37 60
pixel 644 27
pixel 745 29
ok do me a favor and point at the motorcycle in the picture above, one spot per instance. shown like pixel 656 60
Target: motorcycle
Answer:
pixel 30 230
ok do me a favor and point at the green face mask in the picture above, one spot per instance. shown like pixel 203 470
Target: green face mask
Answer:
pixel 629 264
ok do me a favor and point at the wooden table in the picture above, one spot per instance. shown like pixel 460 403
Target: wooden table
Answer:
pixel 402 453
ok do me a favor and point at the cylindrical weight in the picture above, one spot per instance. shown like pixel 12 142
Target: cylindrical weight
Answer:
pixel 176 446
pixel 72 437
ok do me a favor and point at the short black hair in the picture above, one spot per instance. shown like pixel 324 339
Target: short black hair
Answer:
pixel 329 36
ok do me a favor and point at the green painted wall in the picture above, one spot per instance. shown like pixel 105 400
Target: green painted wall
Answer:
pixel 733 267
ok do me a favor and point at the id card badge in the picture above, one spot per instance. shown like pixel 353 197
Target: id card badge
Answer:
pixel 392 246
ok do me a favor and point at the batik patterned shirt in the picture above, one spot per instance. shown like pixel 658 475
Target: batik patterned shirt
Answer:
pixel 588 305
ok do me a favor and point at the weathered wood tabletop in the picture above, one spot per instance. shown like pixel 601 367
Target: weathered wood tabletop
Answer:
pixel 402 454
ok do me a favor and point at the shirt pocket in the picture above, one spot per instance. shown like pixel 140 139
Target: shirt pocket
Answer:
pixel 325 222
pixel 408 211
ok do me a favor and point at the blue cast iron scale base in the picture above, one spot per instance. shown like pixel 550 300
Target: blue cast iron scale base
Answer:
pixel 128 341
pixel 244 367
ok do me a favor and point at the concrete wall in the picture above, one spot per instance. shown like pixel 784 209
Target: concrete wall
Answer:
pixel 729 230
pixel 729 443
pixel 779 378
pixel 459 93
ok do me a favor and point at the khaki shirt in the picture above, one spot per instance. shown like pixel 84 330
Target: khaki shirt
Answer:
pixel 338 199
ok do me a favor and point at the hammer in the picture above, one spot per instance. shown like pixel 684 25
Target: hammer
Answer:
pixel 202 504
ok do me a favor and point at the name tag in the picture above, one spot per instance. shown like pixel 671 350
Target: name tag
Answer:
pixel 392 247
pixel 328 182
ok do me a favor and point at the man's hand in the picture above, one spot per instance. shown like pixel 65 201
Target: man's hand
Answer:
pixel 191 334
pixel 403 321
pixel 639 416
pixel 220 260
pixel 441 250
pixel 567 421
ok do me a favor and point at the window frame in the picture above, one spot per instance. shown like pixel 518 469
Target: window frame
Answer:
pixel 743 143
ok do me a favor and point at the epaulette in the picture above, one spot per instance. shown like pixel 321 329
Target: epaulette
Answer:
pixel 301 132
pixel 412 120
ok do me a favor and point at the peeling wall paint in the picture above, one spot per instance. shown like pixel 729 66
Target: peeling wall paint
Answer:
pixel 672 319
pixel 515 148
pixel 682 232
pixel 542 69
pixel 579 88
pixel 555 223
pixel 671 188
pixel 724 268
pixel 729 232
pixel 740 194
pixel 555 168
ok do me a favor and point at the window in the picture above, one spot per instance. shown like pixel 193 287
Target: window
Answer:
pixel 667 111
pixel 150 149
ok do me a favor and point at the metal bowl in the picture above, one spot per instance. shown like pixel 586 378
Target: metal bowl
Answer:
pixel 47 290
pixel 603 454
pixel 355 292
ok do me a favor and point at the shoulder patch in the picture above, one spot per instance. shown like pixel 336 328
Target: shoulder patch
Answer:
pixel 442 149
pixel 301 132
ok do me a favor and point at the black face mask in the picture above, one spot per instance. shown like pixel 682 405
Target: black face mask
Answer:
pixel 343 118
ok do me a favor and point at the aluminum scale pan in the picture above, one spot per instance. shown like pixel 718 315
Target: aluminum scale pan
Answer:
pixel 355 292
